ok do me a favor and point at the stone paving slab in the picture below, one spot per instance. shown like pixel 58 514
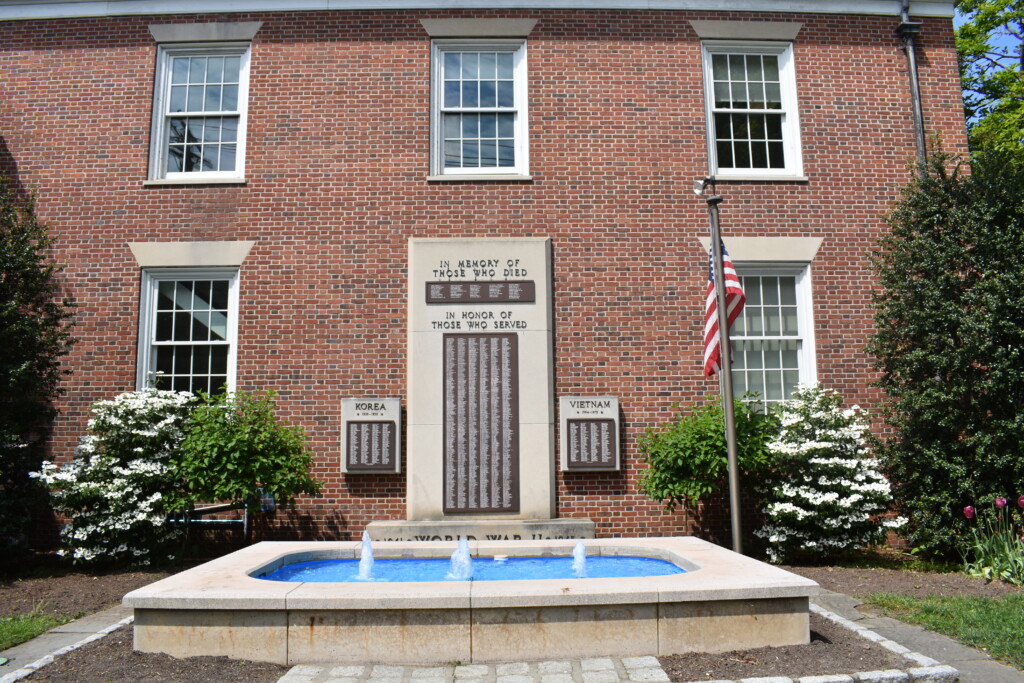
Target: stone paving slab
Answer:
pixel 594 670
pixel 93 623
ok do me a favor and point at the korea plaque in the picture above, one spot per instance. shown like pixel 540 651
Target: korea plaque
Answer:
pixel 370 435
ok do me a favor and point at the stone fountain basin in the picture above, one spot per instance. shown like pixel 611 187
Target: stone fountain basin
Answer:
pixel 724 602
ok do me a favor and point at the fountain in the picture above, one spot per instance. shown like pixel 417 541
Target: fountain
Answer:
pixel 462 562
pixel 366 559
pixel 579 560
pixel 723 601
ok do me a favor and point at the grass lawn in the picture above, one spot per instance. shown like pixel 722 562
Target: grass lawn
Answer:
pixel 994 624
pixel 22 627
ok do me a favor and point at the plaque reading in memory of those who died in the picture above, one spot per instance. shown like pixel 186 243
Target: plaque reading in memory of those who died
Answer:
pixel 589 433
pixel 481 423
pixel 371 434
pixel 482 292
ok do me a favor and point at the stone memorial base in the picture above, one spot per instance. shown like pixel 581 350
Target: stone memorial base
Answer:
pixel 482 530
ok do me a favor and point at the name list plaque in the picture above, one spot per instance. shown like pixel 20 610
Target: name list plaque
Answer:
pixel 589 433
pixel 481 423
pixel 482 292
pixel 371 434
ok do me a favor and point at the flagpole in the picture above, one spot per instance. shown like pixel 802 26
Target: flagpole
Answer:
pixel 725 374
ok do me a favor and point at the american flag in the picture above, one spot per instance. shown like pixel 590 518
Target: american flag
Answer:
pixel 734 300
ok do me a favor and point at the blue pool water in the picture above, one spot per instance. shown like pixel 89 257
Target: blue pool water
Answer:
pixel 484 569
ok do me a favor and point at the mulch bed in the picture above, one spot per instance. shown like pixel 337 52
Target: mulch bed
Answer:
pixel 112 660
pixel 862 582
pixel 833 649
pixel 70 593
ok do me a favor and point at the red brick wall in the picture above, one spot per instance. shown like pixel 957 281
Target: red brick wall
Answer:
pixel 336 164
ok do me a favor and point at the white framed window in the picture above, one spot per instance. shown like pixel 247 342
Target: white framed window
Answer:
pixel 199 112
pixel 479 109
pixel 188 328
pixel 750 95
pixel 773 339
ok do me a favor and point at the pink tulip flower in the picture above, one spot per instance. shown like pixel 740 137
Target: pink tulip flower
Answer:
pixel 1000 503
pixel 1020 502
pixel 969 512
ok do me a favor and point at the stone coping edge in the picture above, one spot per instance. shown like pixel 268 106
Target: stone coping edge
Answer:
pixel 30 669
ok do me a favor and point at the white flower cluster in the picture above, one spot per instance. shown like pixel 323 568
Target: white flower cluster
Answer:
pixel 826 493
pixel 113 491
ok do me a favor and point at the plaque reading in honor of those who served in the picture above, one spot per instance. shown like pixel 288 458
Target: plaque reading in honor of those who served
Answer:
pixel 591 444
pixel 589 427
pixel 481 423
pixel 482 292
pixel 371 434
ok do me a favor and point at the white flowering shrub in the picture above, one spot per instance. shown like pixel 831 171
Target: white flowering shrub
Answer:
pixel 119 488
pixel 825 493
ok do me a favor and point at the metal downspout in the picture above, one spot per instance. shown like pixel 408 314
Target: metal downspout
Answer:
pixel 907 31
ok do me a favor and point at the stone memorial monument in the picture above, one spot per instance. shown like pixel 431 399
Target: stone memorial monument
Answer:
pixel 480 408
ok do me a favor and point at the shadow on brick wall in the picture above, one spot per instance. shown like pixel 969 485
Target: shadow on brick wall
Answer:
pixel 9 171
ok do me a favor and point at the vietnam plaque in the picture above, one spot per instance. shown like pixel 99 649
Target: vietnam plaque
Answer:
pixel 481 423
pixel 371 434
pixel 589 433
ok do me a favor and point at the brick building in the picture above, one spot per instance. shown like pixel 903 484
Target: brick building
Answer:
pixel 239 196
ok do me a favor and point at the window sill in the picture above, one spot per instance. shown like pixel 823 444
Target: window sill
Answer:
pixel 194 181
pixel 476 177
pixel 753 177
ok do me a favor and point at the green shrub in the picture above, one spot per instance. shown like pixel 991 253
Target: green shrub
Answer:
pixel 35 334
pixel 949 320
pixel 235 445
pixel 822 495
pixel 686 458
pixel 150 454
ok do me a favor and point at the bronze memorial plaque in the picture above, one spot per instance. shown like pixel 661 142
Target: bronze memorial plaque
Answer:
pixel 482 292
pixel 589 432
pixel 591 444
pixel 481 423
pixel 371 446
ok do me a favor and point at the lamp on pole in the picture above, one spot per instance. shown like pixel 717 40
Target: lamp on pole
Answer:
pixel 700 187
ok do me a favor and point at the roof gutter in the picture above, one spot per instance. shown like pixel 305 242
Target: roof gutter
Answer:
pixel 63 9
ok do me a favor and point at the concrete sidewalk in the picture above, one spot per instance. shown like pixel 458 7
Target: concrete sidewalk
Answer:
pixel 973 666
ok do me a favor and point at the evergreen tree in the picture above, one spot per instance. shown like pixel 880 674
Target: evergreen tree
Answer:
pixel 949 324
pixel 35 324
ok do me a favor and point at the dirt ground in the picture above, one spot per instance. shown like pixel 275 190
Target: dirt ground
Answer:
pixel 832 650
